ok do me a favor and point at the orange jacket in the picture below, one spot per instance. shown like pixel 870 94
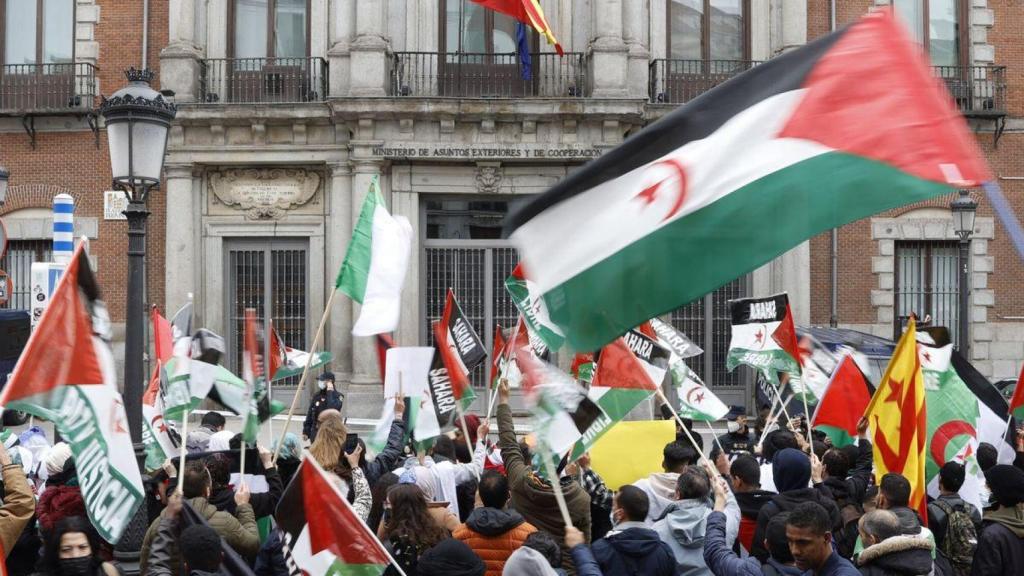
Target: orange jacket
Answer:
pixel 494 535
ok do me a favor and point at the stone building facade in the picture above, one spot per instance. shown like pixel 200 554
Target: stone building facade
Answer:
pixel 289 108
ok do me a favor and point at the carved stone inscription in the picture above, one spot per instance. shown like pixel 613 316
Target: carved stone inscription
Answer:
pixel 264 193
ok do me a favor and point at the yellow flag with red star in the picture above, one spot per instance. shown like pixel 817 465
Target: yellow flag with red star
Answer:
pixel 899 421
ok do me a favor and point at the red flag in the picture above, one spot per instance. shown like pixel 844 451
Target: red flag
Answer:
pixel 845 400
pixel 1017 402
pixel 498 355
pixel 163 343
pixel 785 336
pixel 618 367
pixel 385 342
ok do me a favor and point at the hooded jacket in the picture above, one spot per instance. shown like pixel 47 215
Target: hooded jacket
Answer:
pixel 494 535
pixel 1000 543
pixel 897 556
pixel 528 562
pixel 634 549
pixel 660 488
pixel 792 472
pixel 239 532
pixel 449 557
pixel 750 504
pixel 684 529
pixel 535 499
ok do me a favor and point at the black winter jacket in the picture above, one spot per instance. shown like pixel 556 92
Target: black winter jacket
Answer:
pixel 897 556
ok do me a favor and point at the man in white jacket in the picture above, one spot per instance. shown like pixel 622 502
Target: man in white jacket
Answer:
pixel 660 487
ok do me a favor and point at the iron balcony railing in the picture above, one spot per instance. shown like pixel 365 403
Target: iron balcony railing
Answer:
pixel 263 80
pixel 677 81
pixel 478 75
pixel 977 90
pixel 47 88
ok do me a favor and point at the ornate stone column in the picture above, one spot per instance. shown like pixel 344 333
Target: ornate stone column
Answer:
pixel 368 53
pixel 339 234
pixel 608 53
pixel 179 61
pixel 342 27
pixel 180 237
pixel 364 363
pixel 638 54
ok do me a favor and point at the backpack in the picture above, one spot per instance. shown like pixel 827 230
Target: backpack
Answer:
pixel 961 537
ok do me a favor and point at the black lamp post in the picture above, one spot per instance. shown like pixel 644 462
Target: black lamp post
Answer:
pixel 137 120
pixel 964 209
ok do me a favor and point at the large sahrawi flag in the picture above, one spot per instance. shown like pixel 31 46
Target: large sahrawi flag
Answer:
pixel 66 375
pixel 741 174
pixel 530 303
pixel 763 336
pixel 375 264
pixel 460 349
pixel 323 535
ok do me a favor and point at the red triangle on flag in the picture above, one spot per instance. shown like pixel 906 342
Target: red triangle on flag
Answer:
pixel 163 342
pixel 333 524
pixel 845 400
pixel 60 351
pixel 785 336
pixel 618 367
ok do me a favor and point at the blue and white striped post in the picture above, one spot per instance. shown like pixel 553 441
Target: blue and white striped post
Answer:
pixel 63 228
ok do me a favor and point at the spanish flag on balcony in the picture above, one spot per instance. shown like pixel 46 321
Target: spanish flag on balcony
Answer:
pixel 526 11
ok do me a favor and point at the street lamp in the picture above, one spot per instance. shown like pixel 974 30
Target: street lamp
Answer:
pixel 964 209
pixel 4 177
pixel 138 120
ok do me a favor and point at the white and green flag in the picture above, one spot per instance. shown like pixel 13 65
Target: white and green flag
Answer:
pixel 66 374
pixel 763 336
pixel 375 265
pixel 696 401
pixel 530 303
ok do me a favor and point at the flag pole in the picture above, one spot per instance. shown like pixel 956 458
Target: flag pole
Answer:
pixel 715 436
pixel 689 436
pixel 465 435
pixel 773 415
pixel 241 462
pixel 807 417
pixel 305 370
pixel 556 486
pixel 184 452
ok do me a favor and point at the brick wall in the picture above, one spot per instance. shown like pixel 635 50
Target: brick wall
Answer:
pixel 70 159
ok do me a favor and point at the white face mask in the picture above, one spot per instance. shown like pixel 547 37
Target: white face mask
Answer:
pixel 322 384
pixel 611 516
pixel 733 426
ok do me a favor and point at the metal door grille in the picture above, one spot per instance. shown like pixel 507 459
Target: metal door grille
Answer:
pixel 927 284
pixel 267 275
pixel 712 332
pixel 18 265
pixel 477 275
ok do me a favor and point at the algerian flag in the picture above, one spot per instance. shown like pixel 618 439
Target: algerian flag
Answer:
pixel 763 336
pixel 531 305
pixel 621 383
pixel 696 401
pixel 375 265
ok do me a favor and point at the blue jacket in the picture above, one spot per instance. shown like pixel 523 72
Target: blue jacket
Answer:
pixel 836 565
pixel 634 549
pixel 719 556
pixel 584 561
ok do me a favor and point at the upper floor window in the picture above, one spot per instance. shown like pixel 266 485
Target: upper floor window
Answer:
pixel 936 24
pixel 708 29
pixel 468 27
pixel 37 31
pixel 270 28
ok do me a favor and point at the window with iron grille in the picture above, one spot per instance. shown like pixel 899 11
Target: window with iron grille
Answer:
pixel 18 265
pixel 927 284
pixel 708 323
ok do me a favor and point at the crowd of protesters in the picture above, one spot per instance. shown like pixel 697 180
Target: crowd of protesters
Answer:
pixel 763 502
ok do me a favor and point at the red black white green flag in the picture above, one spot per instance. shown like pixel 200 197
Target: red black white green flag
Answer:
pixel 763 336
pixel 845 399
pixel 66 374
pixel 530 303
pixel 322 533
pixel 1017 401
pixel 286 361
pixel 460 350
pixel 743 173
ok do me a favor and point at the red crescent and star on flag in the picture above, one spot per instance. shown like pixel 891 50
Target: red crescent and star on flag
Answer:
pixel 649 194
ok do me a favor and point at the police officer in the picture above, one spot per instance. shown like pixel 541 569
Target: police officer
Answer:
pixel 326 398
pixel 738 439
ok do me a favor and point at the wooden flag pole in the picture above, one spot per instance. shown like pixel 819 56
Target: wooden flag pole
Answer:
pixel 184 452
pixel 715 436
pixel 807 416
pixel 305 370
pixel 556 486
pixel 773 415
pixel 689 436
pixel 465 435
pixel 241 463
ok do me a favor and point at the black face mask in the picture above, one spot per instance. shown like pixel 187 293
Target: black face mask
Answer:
pixel 75 566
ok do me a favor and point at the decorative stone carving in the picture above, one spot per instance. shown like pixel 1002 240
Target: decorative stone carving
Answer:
pixel 488 178
pixel 264 193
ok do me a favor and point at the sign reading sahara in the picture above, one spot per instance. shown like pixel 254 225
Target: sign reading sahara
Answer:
pixel 763 335
pixel 66 375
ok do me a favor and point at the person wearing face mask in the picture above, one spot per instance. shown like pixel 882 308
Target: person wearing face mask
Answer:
pixel 73 549
pixel 632 547
pixel 326 398
pixel 738 439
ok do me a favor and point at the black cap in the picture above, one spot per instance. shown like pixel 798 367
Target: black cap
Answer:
pixel 326 376
pixel 735 412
